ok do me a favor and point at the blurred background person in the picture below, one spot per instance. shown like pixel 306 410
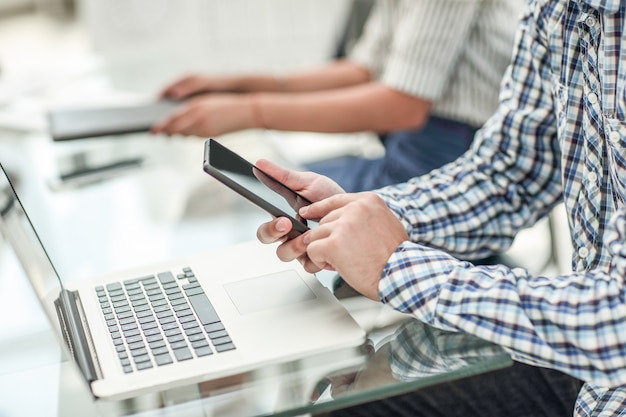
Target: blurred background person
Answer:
pixel 424 75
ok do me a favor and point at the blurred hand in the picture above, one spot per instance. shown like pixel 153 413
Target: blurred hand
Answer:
pixel 191 85
pixel 209 115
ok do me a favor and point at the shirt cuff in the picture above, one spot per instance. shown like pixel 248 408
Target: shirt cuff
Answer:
pixel 412 278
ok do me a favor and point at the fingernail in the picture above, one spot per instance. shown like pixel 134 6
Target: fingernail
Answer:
pixel 281 226
pixel 303 210
pixel 306 239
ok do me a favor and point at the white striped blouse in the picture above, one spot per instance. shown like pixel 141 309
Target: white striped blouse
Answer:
pixel 452 52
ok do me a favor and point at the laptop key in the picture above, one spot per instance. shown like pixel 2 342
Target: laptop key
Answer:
pixel 183 354
pixel 134 339
pixel 221 340
pixel 165 277
pixel 136 353
pixel 136 345
pixel 193 330
pixel 188 318
pixel 204 351
pixel 131 333
pixel 178 345
pixel 209 328
pixel 196 337
pixel 225 347
pixel 190 324
pixel 144 365
pixel 167 320
pixel 203 308
pixel 159 351
pixel 154 338
pixel 156 344
pixel 152 332
pixel 141 358
pixel 217 334
pixel 159 309
pixel 176 338
pixel 164 359
pixel 172 332
pixel 184 312
pixel 199 344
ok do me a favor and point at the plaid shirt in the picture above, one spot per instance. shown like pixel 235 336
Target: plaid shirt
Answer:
pixel 559 134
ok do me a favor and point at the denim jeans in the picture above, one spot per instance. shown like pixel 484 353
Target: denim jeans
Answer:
pixel 408 154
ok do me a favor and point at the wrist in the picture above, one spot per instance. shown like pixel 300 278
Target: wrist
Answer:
pixel 280 83
pixel 256 111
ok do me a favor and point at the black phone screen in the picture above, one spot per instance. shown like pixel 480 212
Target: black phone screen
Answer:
pixel 252 183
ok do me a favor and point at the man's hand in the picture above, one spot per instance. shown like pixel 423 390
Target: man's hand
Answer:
pixel 356 236
pixel 357 233
pixel 310 185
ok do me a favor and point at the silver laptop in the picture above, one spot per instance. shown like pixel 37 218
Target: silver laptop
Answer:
pixel 181 322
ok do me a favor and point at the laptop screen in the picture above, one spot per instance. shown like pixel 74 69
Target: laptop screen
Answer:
pixel 19 231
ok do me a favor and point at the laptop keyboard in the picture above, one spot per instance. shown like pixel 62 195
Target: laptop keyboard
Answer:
pixel 161 319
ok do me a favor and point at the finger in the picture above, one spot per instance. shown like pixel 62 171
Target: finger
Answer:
pixel 321 208
pixel 319 246
pixel 308 265
pixel 168 124
pixel 274 231
pixel 184 88
pixel 181 123
pixel 173 91
pixel 168 91
pixel 292 249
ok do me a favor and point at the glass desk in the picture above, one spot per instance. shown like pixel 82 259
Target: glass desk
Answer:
pixel 407 356
pixel 168 207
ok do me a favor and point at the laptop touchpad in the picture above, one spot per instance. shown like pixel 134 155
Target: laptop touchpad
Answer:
pixel 268 291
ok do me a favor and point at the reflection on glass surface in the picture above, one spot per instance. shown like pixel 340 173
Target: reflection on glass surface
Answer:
pixel 419 350
pixel 414 356
pixel 411 356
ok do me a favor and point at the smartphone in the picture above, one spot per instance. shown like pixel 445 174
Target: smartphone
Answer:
pixel 257 186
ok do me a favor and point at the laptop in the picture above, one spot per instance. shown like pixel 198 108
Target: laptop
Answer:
pixel 183 321
pixel 80 123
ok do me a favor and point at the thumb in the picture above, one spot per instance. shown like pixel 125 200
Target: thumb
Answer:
pixel 292 179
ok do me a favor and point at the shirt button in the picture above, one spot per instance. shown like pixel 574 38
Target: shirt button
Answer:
pixel 614 137
pixel 592 177
pixel 593 98
pixel 591 21
pixel 583 252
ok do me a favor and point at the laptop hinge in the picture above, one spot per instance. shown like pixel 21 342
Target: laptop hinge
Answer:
pixel 77 338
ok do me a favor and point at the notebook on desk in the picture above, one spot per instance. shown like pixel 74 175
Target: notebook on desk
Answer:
pixel 182 321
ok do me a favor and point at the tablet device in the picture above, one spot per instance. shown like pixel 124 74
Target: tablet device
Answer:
pixel 255 185
pixel 79 123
